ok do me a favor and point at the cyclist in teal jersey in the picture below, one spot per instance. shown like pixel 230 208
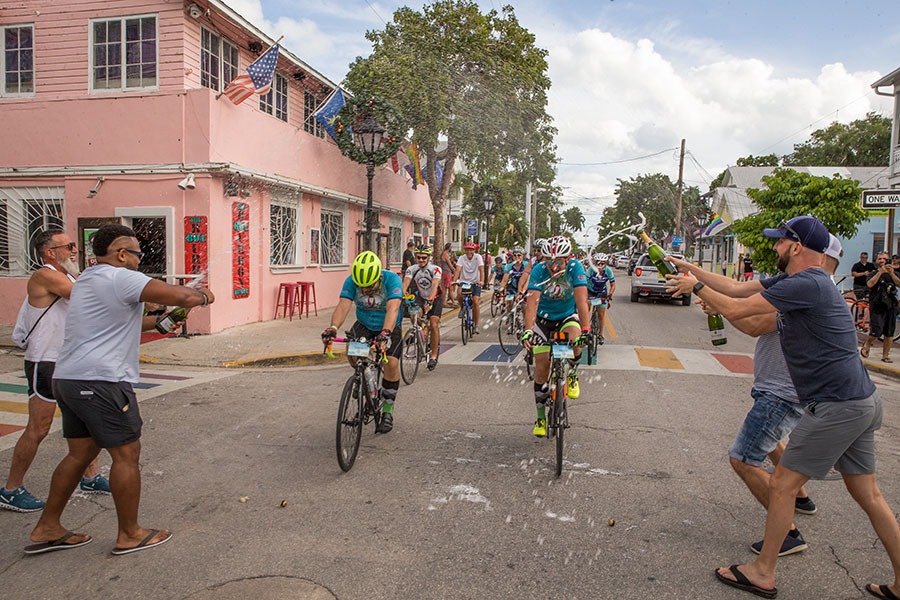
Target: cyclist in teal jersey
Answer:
pixel 557 301
pixel 537 259
pixel 377 295
pixel 496 272
pixel 601 284
pixel 512 274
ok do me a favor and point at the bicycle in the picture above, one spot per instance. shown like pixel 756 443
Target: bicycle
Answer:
pixel 416 345
pixel 361 398
pixel 466 323
pixel 556 406
pixel 596 333
pixel 498 304
pixel 859 309
pixel 512 326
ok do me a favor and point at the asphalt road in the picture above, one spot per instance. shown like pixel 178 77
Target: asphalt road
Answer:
pixel 459 500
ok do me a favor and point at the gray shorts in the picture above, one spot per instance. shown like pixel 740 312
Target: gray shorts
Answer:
pixel 835 434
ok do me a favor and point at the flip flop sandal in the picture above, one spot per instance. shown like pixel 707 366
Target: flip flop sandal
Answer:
pixel 144 545
pixel 59 544
pixel 742 583
pixel 886 359
pixel 864 354
pixel 886 592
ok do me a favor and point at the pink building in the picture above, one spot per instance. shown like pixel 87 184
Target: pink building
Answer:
pixel 108 106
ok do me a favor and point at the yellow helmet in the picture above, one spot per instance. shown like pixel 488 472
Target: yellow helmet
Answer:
pixel 366 269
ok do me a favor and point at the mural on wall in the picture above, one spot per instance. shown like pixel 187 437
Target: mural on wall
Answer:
pixel 240 250
pixel 195 245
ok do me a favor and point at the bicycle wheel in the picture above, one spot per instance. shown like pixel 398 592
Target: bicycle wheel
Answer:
pixel 558 410
pixel 495 304
pixel 349 423
pixel 409 357
pixel 464 322
pixel 592 339
pixel 506 330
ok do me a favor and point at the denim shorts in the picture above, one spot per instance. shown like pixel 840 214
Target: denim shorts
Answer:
pixel 768 422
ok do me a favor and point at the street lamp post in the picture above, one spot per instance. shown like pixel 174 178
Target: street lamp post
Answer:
pixel 368 137
pixel 488 205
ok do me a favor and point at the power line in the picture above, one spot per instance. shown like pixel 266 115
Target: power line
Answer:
pixel 616 162
pixel 376 12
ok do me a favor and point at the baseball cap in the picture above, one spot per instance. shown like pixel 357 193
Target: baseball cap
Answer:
pixel 806 229
pixel 834 248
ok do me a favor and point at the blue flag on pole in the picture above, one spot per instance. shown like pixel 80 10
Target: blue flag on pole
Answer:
pixel 329 110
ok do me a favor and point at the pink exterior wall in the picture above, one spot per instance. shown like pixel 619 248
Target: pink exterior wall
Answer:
pixel 180 124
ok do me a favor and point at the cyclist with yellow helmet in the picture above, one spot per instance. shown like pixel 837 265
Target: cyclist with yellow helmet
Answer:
pixel 377 295
pixel 427 277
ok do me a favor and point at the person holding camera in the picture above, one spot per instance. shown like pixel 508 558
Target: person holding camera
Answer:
pixel 882 284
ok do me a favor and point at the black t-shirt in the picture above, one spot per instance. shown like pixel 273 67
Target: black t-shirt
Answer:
pixel 408 259
pixel 748 265
pixel 859 268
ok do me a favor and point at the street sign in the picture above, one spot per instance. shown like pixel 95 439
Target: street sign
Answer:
pixel 472 227
pixel 677 240
pixel 880 199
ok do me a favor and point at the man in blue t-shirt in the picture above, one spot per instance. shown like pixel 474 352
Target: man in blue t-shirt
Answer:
pixel 376 293
pixel 557 301
pixel 842 407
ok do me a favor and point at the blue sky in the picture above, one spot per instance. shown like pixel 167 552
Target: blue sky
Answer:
pixel 731 77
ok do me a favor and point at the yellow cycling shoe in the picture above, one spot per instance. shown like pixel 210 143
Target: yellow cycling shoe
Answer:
pixel 540 428
pixel 572 384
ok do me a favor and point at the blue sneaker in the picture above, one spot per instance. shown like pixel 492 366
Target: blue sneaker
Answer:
pixel 97 485
pixel 19 500
pixel 792 544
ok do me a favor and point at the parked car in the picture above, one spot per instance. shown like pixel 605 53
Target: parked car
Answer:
pixel 645 282
pixel 621 261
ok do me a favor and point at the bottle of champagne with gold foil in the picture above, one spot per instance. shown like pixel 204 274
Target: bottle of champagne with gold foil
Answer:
pixel 657 256
pixel 167 322
pixel 717 329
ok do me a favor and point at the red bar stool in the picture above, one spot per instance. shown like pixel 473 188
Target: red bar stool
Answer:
pixel 291 297
pixel 305 288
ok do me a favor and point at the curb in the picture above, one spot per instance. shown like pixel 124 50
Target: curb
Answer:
pixel 881 369
pixel 304 359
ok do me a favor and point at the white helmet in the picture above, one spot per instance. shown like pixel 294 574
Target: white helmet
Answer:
pixel 601 258
pixel 539 243
pixel 557 247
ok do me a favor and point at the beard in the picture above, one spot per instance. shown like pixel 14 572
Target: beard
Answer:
pixel 782 264
pixel 71 266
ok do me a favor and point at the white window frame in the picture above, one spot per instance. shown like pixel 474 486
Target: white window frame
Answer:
pixel 123 41
pixel 309 116
pixel 3 92
pixel 342 210
pixel 268 101
pixel 168 212
pixel 279 199
pixel 15 200
pixel 222 46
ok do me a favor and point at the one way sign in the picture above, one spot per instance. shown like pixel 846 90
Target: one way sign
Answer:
pixel 876 199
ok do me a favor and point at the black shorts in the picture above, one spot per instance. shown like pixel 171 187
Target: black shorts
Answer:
pixel 40 379
pixel 104 411
pixel 359 330
pixel 882 322
pixel 545 328
pixel 437 307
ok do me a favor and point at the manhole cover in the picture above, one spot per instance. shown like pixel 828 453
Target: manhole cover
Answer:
pixel 265 588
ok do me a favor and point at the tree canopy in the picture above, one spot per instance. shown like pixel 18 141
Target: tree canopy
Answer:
pixel 834 201
pixel 862 143
pixel 475 80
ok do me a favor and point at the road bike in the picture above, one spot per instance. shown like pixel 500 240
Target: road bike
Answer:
pixel 466 322
pixel 498 304
pixel 595 337
pixel 556 406
pixel 416 345
pixel 361 398
pixel 512 325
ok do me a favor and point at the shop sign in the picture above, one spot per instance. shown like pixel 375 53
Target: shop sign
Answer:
pixel 195 245
pixel 240 249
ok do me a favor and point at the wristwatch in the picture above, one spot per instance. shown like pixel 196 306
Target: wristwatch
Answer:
pixel 698 286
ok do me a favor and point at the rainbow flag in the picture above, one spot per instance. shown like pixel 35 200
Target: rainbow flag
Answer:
pixel 716 221
pixel 413 153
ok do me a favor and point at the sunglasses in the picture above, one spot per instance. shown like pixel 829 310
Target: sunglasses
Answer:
pixel 518 254
pixel 422 257
pixel 140 255
pixel 786 227
pixel 72 246
pixel 559 261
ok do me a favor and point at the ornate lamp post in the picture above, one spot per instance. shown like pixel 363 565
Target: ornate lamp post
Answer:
pixel 368 137
pixel 488 205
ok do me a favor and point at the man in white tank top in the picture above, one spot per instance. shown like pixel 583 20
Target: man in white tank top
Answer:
pixel 49 286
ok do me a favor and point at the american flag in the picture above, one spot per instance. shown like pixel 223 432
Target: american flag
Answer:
pixel 257 79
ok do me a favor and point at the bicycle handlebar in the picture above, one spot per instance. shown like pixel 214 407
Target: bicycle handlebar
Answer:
pixel 330 354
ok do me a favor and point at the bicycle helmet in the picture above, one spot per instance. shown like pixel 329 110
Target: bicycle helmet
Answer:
pixel 469 246
pixel 366 269
pixel 600 258
pixel 518 250
pixel 424 250
pixel 539 243
pixel 557 247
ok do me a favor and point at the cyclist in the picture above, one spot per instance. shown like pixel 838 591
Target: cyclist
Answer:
pixel 427 276
pixel 536 259
pixel 496 273
pixel 470 269
pixel 377 294
pixel 512 274
pixel 557 301
pixel 599 277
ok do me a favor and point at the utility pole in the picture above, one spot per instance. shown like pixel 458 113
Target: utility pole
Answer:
pixel 528 219
pixel 680 186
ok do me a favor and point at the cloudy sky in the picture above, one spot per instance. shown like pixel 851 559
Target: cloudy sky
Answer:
pixel 631 78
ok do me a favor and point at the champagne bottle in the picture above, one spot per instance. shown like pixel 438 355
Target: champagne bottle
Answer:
pixel 717 329
pixel 657 256
pixel 166 323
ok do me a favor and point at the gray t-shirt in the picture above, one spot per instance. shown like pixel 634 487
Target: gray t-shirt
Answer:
pixel 424 277
pixel 770 372
pixel 103 326
pixel 818 337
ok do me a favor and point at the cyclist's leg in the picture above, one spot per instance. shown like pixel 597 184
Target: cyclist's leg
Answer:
pixel 542 329
pixel 476 304
pixel 390 384
pixel 434 319
pixel 601 316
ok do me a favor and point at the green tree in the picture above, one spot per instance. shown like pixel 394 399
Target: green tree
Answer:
pixel 834 201
pixel 767 160
pixel 475 80
pixel 573 219
pixel 862 143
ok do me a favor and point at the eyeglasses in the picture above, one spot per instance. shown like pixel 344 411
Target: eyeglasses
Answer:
pixel 422 257
pixel 140 255
pixel 559 261
pixel 72 246
pixel 518 254
pixel 789 229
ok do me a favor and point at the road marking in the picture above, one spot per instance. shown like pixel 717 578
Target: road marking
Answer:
pixel 736 363
pixel 658 358
pixel 608 325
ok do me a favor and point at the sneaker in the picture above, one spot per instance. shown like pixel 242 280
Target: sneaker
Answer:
pixel 387 423
pixel 432 363
pixel 792 544
pixel 805 506
pixel 540 428
pixel 572 383
pixel 475 331
pixel 97 485
pixel 19 500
